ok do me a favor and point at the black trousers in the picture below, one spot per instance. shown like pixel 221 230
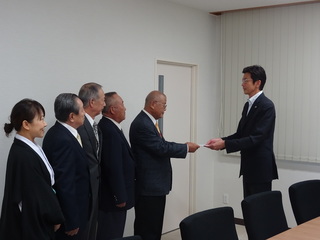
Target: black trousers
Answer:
pixel 253 188
pixel 149 211
pixel 111 224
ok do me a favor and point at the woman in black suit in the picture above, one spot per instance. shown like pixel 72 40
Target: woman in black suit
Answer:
pixel 30 209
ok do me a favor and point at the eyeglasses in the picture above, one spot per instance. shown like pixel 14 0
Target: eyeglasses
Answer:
pixel 163 104
pixel 245 80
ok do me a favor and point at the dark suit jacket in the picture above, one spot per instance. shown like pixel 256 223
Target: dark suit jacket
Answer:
pixel 254 138
pixel 152 154
pixel 28 180
pixel 90 146
pixel 71 169
pixel 117 168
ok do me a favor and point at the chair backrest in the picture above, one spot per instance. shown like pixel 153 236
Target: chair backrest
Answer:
pixel 263 215
pixel 212 224
pixel 136 237
pixel 305 200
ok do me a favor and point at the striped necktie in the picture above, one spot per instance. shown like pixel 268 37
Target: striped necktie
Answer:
pixel 95 130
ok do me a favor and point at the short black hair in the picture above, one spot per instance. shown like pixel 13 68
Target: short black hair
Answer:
pixel 257 73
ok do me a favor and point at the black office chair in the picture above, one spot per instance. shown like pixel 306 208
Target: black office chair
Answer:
pixel 305 200
pixel 212 224
pixel 263 215
pixel 136 237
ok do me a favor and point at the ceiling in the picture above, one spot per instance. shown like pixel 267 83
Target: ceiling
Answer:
pixel 217 6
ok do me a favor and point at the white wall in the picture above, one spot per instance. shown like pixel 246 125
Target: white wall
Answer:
pixel 49 47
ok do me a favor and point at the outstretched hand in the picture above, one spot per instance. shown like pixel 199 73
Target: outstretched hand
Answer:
pixel 192 146
pixel 215 144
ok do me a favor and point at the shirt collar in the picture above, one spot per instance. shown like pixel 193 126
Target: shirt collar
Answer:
pixel 71 129
pixel 25 140
pixel 254 97
pixel 150 116
pixel 40 153
pixel 90 119
pixel 115 122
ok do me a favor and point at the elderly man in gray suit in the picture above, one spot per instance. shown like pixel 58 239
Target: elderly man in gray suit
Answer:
pixel 92 97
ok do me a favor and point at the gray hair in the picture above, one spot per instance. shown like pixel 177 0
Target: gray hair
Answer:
pixel 109 100
pixel 65 104
pixel 89 91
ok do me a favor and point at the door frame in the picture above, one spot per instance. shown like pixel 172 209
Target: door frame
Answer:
pixel 193 121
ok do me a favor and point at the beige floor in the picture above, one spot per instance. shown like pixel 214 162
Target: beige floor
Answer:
pixel 175 235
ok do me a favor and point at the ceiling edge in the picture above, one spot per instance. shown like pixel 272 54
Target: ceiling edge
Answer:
pixel 271 6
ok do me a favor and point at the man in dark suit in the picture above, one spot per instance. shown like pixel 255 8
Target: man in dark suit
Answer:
pixel 117 171
pixel 62 147
pixel 254 136
pixel 153 166
pixel 92 97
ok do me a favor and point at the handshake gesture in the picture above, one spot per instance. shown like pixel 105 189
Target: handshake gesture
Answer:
pixel 215 144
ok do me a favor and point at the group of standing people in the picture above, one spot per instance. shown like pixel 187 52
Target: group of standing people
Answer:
pixel 81 183
pixel 86 176
pixel 53 192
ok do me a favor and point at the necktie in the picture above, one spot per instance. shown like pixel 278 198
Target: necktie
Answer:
pixel 95 130
pixel 79 139
pixel 157 126
pixel 121 132
pixel 245 108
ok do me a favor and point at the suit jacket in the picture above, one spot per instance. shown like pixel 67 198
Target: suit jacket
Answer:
pixel 117 168
pixel 93 157
pixel 28 180
pixel 152 154
pixel 254 138
pixel 72 180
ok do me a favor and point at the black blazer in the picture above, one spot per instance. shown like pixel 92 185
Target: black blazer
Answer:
pixel 93 157
pixel 152 154
pixel 254 138
pixel 71 169
pixel 28 180
pixel 117 168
